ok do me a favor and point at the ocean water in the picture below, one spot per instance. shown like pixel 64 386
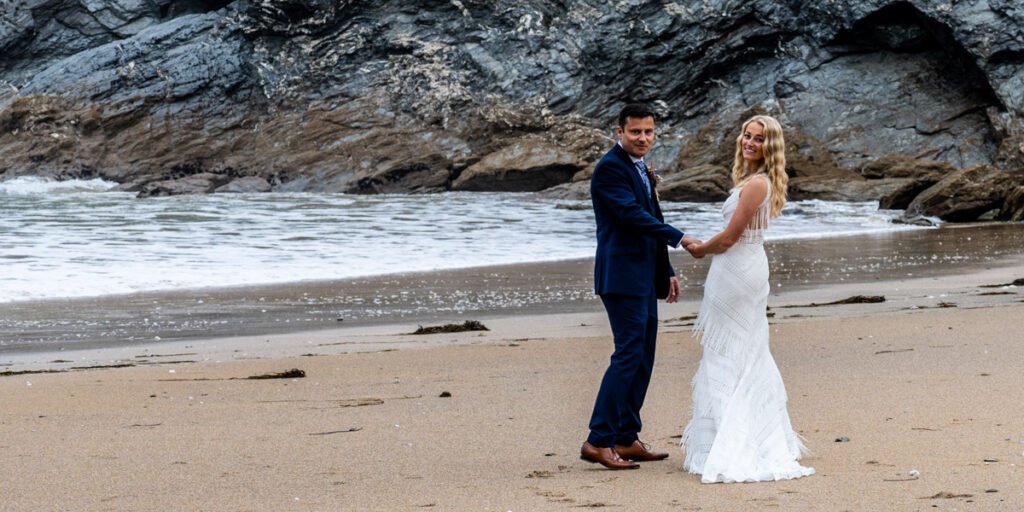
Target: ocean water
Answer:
pixel 80 239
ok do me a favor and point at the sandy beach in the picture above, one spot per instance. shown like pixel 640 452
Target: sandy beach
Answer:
pixel 924 389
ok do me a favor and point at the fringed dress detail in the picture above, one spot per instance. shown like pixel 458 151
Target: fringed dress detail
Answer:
pixel 740 429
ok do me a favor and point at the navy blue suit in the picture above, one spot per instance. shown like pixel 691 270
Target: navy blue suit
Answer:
pixel 631 272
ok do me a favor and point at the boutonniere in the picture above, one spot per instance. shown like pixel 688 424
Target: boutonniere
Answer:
pixel 652 173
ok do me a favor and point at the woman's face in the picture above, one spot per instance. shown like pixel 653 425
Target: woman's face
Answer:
pixel 753 139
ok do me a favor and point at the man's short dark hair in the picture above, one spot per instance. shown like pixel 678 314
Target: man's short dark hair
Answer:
pixel 635 110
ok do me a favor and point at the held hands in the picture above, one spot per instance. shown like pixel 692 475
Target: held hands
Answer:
pixel 691 245
pixel 694 246
pixel 697 250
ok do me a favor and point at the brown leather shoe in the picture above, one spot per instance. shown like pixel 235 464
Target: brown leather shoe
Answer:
pixel 605 457
pixel 639 451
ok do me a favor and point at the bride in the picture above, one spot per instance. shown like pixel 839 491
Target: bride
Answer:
pixel 740 429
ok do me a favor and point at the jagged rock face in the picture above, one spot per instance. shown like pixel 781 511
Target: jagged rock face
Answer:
pixel 397 96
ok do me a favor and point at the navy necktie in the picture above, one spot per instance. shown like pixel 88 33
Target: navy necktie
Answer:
pixel 642 168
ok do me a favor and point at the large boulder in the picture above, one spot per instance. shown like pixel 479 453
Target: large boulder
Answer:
pixel 244 185
pixel 914 175
pixel 900 197
pixel 575 191
pixel 846 188
pixel 1013 207
pixel 903 166
pixel 964 195
pixel 426 172
pixel 703 183
pixel 201 183
pixel 528 165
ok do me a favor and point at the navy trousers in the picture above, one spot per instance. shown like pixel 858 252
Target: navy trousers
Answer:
pixel 616 417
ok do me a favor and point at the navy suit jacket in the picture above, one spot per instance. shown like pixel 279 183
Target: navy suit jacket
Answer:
pixel 632 237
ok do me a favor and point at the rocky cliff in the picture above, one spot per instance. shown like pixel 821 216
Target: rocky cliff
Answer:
pixel 880 99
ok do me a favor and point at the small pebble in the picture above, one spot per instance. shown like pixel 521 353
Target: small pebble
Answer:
pixel 914 473
pixel 842 439
pixel 445 394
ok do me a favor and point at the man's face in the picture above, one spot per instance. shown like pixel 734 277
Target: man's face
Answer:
pixel 637 136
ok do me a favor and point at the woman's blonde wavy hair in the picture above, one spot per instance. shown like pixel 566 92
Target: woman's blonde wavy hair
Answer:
pixel 773 162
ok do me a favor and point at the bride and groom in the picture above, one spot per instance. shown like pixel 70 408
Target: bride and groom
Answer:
pixel 740 429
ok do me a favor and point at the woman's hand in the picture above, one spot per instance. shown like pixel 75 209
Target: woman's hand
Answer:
pixel 689 243
pixel 696 249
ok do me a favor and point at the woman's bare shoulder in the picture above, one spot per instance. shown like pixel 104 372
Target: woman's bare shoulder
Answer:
pixel 756 186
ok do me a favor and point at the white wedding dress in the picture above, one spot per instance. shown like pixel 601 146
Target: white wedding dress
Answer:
pixel 740 429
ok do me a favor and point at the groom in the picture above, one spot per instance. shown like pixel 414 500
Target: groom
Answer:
pixel 631 272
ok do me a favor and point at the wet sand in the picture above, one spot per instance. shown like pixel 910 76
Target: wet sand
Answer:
pixel 42 332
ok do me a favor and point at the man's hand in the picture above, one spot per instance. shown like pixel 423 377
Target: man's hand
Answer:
pixel 673 290
pixel 687 240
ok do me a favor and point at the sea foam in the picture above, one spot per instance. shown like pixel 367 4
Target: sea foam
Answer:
pixel 80 238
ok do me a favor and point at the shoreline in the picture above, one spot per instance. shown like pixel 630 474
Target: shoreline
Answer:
pixel 223 325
